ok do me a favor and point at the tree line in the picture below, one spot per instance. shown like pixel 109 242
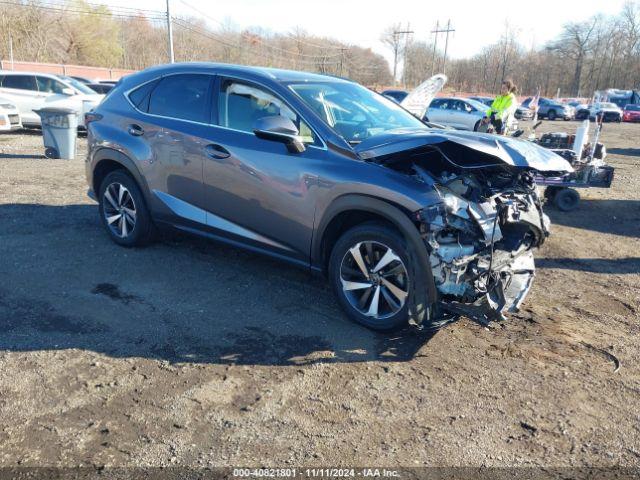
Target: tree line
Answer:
pixel 84 33
pixel 599 53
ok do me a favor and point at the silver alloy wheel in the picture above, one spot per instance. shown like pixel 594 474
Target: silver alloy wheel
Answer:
pixel 374 279
pixel 119 209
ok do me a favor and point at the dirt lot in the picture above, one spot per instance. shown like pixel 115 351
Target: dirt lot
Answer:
pixel 195 354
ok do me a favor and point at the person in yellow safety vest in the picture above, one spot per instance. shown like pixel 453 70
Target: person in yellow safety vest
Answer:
pixel 503 106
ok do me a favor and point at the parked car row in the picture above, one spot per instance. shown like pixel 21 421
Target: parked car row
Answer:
pixel 464 113
pixel 32 91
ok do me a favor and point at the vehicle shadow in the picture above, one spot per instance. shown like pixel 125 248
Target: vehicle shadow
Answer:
pixel 22 156
pixel 182 299
pixel 593 265
pixel 630 152
pixel 617 217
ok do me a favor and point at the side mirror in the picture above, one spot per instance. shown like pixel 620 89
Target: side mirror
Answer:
pixel 68 91
pixel 279 129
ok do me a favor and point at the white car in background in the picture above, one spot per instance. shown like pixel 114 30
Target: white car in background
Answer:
pixel 33 91
pixel 9 116
pixel 609 111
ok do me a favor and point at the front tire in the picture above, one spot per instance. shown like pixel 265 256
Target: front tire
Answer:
pixel 372 273
pixel 123 211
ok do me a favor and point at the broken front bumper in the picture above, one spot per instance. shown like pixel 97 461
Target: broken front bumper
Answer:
pixel 493 277
pixel 512 282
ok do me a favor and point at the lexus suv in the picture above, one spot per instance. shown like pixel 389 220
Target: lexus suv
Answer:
pixel 410 223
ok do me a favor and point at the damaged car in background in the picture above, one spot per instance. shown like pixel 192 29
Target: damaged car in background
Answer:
pixel 411 223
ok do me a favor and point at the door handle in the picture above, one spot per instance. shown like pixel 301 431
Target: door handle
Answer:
pixel 135 130
pixel 216 151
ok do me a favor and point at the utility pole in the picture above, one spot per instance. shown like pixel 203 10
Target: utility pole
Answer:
pixel 446 43
pixel 404 60
pixel 396 43
pixel 435 44
pixel 11 50
pixel 342 50
pixel 170 31
pixel 446 46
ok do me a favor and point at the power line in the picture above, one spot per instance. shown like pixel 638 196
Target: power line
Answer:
pixel 315 45
pixel 212 36
pixel 256 38
pixel 132 10
pixel 82 12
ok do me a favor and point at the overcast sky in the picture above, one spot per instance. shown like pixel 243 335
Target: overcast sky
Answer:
pixel 477 23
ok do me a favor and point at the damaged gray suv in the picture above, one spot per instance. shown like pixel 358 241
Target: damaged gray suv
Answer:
pixel 410 223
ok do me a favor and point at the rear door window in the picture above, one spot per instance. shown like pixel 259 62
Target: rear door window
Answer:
pixel 184 96
pixel 20 82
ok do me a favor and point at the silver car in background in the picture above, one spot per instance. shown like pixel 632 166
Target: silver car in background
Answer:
pixel 459 113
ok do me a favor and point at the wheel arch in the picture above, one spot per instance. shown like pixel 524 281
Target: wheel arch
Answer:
pixel 106 160
pixel 350 210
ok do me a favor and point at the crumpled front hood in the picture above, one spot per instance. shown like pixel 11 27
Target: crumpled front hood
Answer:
pixel 459 147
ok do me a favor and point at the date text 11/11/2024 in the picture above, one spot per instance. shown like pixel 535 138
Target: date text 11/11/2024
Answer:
pixel 315 473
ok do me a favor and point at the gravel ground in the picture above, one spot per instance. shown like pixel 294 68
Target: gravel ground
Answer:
pixel 194 354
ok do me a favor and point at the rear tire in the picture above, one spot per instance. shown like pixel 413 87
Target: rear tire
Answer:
pixel 398 286
pixel 123 211
pixel 476 126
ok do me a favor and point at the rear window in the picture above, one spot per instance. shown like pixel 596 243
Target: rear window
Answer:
pixel 20 82
pixel 182 96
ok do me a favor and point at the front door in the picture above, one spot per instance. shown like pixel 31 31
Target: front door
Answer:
pixel 256 191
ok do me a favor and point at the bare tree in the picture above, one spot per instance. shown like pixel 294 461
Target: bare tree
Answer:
pixel 392 38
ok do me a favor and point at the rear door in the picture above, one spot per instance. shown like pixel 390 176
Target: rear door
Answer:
pixel 23 91
pixel 175 129
pixel 459 115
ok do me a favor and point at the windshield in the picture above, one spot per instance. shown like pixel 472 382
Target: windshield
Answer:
pixel 608 105
pixel 81 87
pixel 354 111
pixel 634 108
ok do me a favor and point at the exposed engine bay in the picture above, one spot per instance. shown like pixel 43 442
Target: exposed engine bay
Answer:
pixel 481 239
pixel 481 234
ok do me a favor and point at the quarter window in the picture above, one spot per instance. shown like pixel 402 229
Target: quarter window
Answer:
pixel 182 96
pixel 20 82
pixel 241 105
pixel 140 96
